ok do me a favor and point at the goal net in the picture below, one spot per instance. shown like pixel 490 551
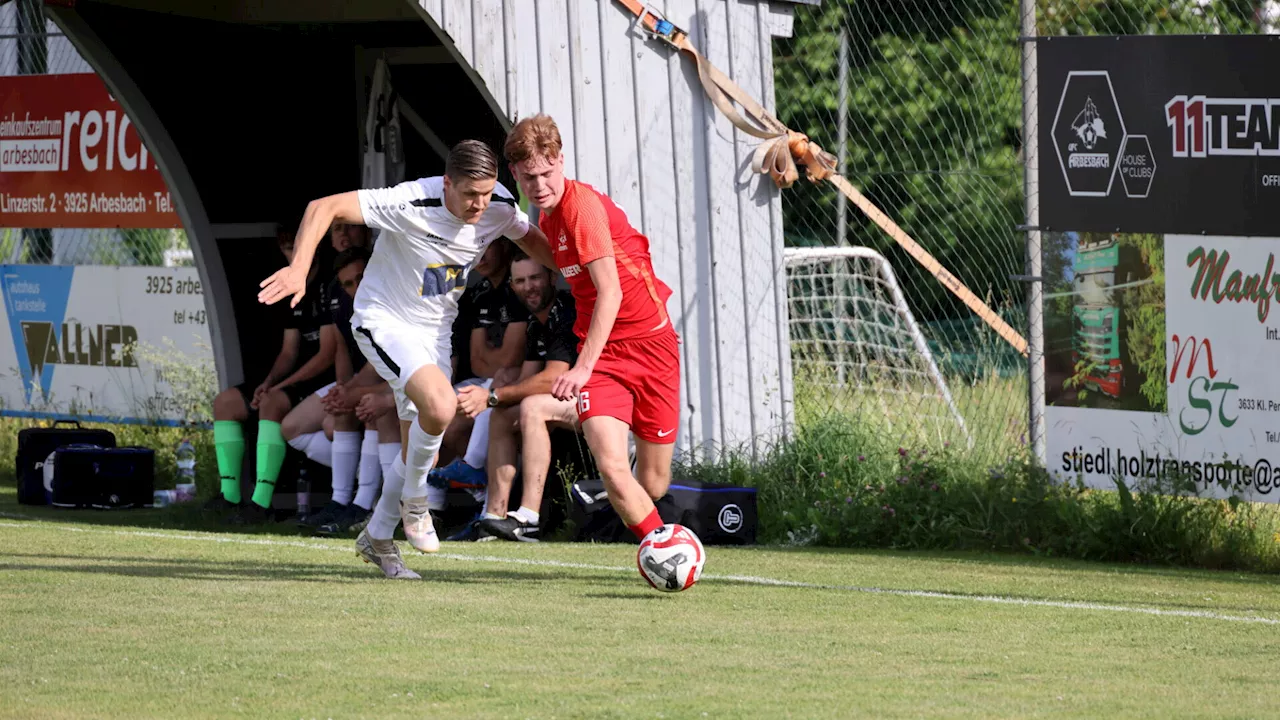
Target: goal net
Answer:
pixel 857 350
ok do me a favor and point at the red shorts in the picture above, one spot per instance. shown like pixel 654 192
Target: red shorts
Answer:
pixel 637 381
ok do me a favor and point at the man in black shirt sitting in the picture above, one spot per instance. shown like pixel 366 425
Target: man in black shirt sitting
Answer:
pixel 303 365
pixel 488 345
pixel 325 426
pixel 522 413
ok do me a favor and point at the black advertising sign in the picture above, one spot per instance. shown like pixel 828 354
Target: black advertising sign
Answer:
pixel 1163 134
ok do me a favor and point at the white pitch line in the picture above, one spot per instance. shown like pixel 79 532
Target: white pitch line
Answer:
pixel 744 579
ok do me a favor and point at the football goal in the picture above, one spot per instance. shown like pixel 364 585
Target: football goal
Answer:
pixel 856 347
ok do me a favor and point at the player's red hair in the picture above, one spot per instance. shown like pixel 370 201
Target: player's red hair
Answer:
pixel 533 137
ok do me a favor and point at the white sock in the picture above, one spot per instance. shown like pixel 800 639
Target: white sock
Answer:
pixel 370 470
pixel 315 446
pixel 422 452
pixel 490 516
pixel 436 497
pixel 387 514
pixel 387 454
pixel 346 454
pixel 529 516
pixel 478 445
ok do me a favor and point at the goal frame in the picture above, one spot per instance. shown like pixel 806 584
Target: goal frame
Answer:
pixel 806 255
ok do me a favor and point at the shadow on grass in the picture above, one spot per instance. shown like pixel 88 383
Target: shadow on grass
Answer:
pixel 643 593
pixel 189 517
pixel 195 569
pixel 1012 598
pixel 978 559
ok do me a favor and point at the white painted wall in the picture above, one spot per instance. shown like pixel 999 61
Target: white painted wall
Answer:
pixel 637 125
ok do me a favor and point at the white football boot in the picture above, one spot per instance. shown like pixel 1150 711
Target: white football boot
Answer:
pixel 386 555
pixel 419 530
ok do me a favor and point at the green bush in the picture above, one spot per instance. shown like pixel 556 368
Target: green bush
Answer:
pixel 831 485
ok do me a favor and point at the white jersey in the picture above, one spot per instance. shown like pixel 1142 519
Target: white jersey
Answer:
pixel 422 257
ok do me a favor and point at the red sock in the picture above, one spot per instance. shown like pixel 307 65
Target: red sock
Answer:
pixel 649 524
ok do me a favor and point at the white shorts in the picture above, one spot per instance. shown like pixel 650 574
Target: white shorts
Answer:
pixel 325 390
pixel 397 350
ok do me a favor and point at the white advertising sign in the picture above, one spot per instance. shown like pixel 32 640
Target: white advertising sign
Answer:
pixel 1218 422
pixel 82 341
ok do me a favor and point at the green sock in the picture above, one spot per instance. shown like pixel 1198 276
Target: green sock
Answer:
pixel 271 450
pixel 228 443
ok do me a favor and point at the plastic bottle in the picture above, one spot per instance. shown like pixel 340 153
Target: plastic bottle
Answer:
pixel 304 494
pixel 186 480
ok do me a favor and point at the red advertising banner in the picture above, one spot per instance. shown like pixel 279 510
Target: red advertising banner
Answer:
pixel 70 158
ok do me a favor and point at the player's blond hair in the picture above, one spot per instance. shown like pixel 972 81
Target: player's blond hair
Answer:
pixel 533 137
pixel 471 159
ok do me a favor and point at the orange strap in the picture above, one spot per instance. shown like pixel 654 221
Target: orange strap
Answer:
pixel 782 148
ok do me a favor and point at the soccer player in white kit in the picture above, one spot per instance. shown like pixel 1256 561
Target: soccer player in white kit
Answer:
pixel 433 232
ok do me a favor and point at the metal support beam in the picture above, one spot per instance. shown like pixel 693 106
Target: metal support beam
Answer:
pixel 187 202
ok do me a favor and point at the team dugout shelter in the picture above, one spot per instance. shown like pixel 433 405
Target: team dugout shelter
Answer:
pixel 252 108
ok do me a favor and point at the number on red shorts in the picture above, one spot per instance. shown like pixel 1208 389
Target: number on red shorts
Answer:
pixel 584 403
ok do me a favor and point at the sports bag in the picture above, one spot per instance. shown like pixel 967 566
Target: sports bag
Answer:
pixel 717 514
pixel 85 476
pixel 35 445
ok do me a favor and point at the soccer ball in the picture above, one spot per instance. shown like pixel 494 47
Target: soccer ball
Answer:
pixel 671 558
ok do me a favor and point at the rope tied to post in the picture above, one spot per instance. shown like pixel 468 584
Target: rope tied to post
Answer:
pixel 783 148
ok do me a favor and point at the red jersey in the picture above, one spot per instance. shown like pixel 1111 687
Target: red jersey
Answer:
pixel 586 226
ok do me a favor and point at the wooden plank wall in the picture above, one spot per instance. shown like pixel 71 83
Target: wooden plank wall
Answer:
pixel 637 125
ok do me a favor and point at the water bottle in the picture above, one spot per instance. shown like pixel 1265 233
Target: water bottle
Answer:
pixel 304 494
pixel 186 480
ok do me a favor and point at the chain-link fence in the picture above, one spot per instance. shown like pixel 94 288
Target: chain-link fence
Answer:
pixel 30 44
pixel 923 105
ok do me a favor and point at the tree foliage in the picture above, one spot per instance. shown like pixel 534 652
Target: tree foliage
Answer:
pixel 1144 315
pixel 934 122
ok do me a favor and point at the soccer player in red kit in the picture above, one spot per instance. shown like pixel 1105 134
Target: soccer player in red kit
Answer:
pixel 628 370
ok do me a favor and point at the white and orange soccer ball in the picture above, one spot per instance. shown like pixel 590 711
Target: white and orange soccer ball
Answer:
pixel 671 558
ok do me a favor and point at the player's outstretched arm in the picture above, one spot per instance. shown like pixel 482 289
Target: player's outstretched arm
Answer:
pixel 535 245
pixel 604 275
pixel 316 221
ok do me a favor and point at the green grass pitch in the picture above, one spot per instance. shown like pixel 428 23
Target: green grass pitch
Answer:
pixel 123 621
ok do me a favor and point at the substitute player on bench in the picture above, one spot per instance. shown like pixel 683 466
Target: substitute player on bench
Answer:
pixel 628 367
pixel 433 230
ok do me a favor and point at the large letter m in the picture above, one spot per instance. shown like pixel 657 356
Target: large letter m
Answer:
pixel 1190 342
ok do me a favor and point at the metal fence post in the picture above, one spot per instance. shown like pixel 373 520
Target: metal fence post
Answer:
pixel 33 59
pixel 1035 286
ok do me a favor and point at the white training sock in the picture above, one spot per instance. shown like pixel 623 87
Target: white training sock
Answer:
pixel 370 470
pixel 382 526
pixel 436 497
pixel 346 454
pixel 422 453
pixel 387 454
pixel 490 516
pixel 478 445
pixel 315 446
pixel 529 516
